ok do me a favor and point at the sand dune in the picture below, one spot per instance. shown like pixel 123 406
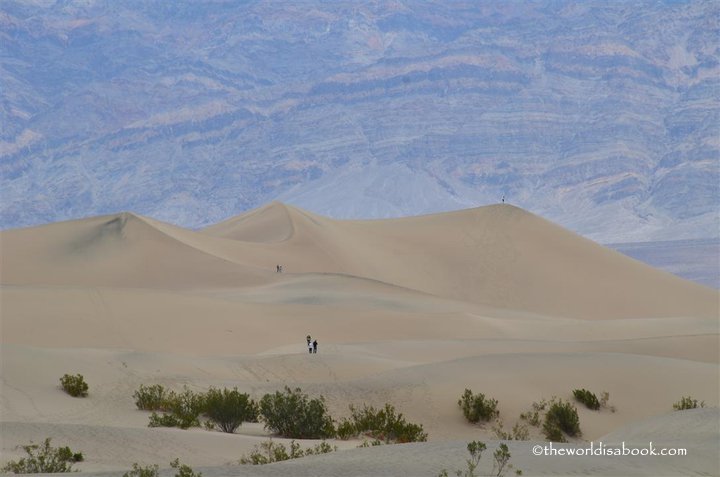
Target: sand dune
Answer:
pixel 499 256
pixel 409 311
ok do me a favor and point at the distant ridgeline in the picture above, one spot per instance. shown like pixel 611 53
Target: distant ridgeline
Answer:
pixel 603 116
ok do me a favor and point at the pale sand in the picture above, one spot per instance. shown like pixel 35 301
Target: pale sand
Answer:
pixel 409 311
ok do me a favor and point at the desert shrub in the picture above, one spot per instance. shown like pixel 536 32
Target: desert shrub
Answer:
pixel 183 410
pixel 151 398
pixel 164 420
pixel 501 458
pixel 561 418
pixel 533 417
pixel 346 430
pixel 382 424
pixel 501 463
pixel 44 459
pixel 519 432
pixel 588 398
pixel 268 452
pixel 477 407
pixel 138 471
pixel 184 470
pixel 292 414
pixel 227 409
pixel 687 402
pixel 74 385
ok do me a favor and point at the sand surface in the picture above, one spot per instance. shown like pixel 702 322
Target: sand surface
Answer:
pixel 407 311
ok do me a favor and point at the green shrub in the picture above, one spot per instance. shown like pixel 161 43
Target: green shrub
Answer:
pixel 148 471
pixel 292 414
pixel 227 409
pixel 687 402
pixel 346 429
pixel 151 398
pixel 477 407
pixel 501 458
pixel 382 424
pixel 164 420
pixel 74 385
pixel 268 452
pixel 561 418
pixel 586 397
pixel 183 410
pixel 44 459
pixel 184 470
pixel 501 463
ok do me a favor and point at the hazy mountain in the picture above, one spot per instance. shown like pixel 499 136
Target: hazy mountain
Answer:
pixel 601 116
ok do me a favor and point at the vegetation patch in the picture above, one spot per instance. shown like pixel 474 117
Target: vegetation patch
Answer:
pixel 588 398
pixel 561 419
pixel 183 410
pixel 501 461
pixel 74 385
pixel 184 470
pixel 380 424
pixel 152 398
pixel 228 409
pixel 687 402
pixel 44 459
pixel 476 407
pixel 269 451
pixel 519 432
pixel 139 471
pixel 293 414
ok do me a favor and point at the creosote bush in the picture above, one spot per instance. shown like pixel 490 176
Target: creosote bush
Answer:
pixel 477 407
pixel 139 471
pixel 74 385
pixel 269 451
pixel 519 432
pixel 228 409
pixel 183 410
pixel 588 398
pixel 534 416
pixel 380 424
pixel 292 414
pixel 687 402
pixel 561 419
pixel 501 461
pixel 44 459
pixel 184 470
pixel 151 398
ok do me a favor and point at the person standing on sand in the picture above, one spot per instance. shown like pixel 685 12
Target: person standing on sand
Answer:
pixel 309 344
pixel 314 347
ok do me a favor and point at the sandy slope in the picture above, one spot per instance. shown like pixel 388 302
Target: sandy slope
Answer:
pixel 409 311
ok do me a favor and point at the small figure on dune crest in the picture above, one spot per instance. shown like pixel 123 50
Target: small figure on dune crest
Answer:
pixel 503 198
pixel 314 346
pixel 309 344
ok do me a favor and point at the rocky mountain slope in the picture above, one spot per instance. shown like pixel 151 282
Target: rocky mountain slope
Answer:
pixel 602 117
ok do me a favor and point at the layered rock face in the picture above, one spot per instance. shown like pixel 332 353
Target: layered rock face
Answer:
pixel 602 117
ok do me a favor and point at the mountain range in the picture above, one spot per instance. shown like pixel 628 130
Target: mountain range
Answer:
pixel 603 117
